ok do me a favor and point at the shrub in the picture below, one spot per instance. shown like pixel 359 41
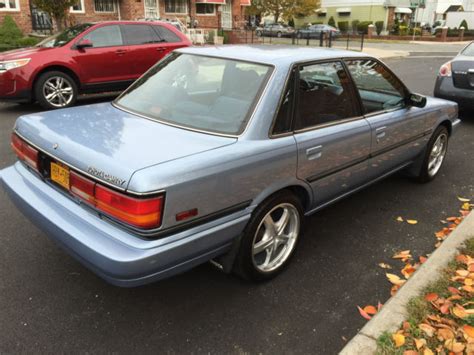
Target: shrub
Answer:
pixel 343 26
pixel 354 24
pixel 379 27
pixel 363 26
pixel 403 30
pixel 9 32
pixel 416 30
pixel 332 22
pixel 464 24
pixel 28 41
pixel 396 27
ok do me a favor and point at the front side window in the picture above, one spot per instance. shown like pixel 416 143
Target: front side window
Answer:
pixel 176 6
pixel 210 94
pixel 104 5
pixel 9 5
pixel 205 9
pixel 60 39
pixel 324 95
pixel 106 36
pixel 139 34
pixel 379 89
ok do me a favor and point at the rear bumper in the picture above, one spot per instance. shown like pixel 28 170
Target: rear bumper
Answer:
pixel 445 89
pixel 114 254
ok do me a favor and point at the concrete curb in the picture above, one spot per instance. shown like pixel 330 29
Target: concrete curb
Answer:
pixel 393 313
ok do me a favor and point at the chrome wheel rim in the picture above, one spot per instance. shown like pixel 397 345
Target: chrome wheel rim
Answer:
pixel 58 91
pixel 275 237
pixel 437 154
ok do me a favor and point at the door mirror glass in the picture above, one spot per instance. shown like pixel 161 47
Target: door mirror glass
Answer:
pixel 84 43
pixel 417 100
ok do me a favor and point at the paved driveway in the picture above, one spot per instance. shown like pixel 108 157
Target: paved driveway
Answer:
pixel 50 303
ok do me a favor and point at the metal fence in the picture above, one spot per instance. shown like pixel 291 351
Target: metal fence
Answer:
pixel 40 20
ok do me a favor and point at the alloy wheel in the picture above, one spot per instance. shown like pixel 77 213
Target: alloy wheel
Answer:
pixel 437 154
pixel 58 91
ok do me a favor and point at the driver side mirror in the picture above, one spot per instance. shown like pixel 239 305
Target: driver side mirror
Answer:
pixel 417 100
pixel 84 43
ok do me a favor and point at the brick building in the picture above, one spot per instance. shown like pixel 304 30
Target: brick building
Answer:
pixel 225 14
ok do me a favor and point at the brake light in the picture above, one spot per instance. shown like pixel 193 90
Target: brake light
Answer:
pixel 143 213
pixel 24 151
pixel 445 69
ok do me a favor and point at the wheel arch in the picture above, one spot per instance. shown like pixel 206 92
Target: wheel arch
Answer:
pixel 302 191
pixel 60 68
pixel 448 124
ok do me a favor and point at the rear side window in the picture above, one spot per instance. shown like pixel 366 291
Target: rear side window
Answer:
pixel 166 35
pixel 106 36
pixel 139 34
pixel 379 89
pixel 284 117
pixel 324 95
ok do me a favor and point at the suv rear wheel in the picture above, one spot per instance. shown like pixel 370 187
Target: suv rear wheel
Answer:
pixel 270 238
pixel 55 89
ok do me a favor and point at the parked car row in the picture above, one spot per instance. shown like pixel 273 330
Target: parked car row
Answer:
pixel 215 153
pixel 87 58
pixel 281 30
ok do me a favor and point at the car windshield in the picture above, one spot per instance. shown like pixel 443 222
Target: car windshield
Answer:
pixel 198 92
pixel 62 38
pixel 469 50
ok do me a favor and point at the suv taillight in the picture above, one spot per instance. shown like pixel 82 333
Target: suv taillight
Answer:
pixel 143 213
pixel 24 151
pixel 445 69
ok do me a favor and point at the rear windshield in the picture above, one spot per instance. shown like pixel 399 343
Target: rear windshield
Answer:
pixel 198 92
pixel 62 38
pixel 469 50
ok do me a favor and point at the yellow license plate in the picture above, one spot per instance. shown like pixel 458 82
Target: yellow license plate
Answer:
pixel 60 175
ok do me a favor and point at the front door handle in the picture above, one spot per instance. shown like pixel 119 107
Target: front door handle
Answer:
pixel 380 133
pixel 120 51
pixel 161 49
pixel 314 152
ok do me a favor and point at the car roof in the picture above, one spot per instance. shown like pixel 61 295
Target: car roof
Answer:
pixel 271 54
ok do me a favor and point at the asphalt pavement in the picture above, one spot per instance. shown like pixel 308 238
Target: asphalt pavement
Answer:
pixel 50 303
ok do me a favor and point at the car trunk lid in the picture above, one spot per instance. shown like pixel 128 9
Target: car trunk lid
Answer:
pixel 463 72
pixel 110 144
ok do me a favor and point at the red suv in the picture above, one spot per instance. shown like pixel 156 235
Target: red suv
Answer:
pixel 87 58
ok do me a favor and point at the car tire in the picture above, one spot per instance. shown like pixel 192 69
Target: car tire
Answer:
pixel 266 248
pixel 279 34
pixel 55 89
pixel 434 155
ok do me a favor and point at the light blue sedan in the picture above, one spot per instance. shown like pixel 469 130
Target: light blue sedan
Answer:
pixel 218 153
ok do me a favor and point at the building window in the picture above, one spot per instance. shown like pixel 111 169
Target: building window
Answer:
pixel 322 14
pixel 344 14
pixel 104 5
pixel 205 9
pixel 78 8
pixel 176 6
pixel 9 5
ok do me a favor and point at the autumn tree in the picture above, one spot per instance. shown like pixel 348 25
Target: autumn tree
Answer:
pixel 57 9
pixel 286 9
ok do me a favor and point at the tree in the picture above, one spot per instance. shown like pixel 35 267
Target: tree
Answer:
pixel 464 24
pixel 57 9
pixel 331 22
pixel 285 9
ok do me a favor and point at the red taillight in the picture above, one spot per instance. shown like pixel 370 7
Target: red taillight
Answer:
pixel 141 213
pixel 445 69
pixel 24 151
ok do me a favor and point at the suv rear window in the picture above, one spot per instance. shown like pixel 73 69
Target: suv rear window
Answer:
pixel 198 92
pixel 139 34
pixel 166 35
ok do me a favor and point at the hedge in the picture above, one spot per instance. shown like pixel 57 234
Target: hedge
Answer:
pixel 379 27
pixel 343 26
pixel 363 27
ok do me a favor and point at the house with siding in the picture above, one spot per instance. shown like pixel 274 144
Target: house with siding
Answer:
pixel 210 14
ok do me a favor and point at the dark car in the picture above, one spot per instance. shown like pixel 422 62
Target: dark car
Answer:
pixel 86 58
pixel 455 79
pixel 275 30
pixel 314 31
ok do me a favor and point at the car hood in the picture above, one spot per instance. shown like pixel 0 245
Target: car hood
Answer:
pixel 21 53
pixel 109 143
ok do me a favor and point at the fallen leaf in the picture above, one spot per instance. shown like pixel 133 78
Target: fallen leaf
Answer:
pixel 403 255
pixel 431 297
pixel 408 270
pixel 453 290
pixel 445 334
pixel 370 309
pixel 468 282
pixel 399 219
pixel 469 289
pixel 364 313
pixel 427 329
pixel 459 311
pixel 437 245
pixel 399 339
pixel 427 351
pixel 462 272
pixel 394 279
pixel 469 330
pixel 410 352
pixel 453 345
pixel 465 206
pixel 412 221
pixel 394 290
pixel 462 199
pixel 419 343
pixel 423 259
pixel 384 266
pixel 444 309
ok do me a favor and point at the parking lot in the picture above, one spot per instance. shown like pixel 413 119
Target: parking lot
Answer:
pixel 50 303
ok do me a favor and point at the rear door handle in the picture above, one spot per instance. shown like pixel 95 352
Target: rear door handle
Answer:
pixel 161 49
pixel 120 51
pixel 314 152
pixel 380 133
